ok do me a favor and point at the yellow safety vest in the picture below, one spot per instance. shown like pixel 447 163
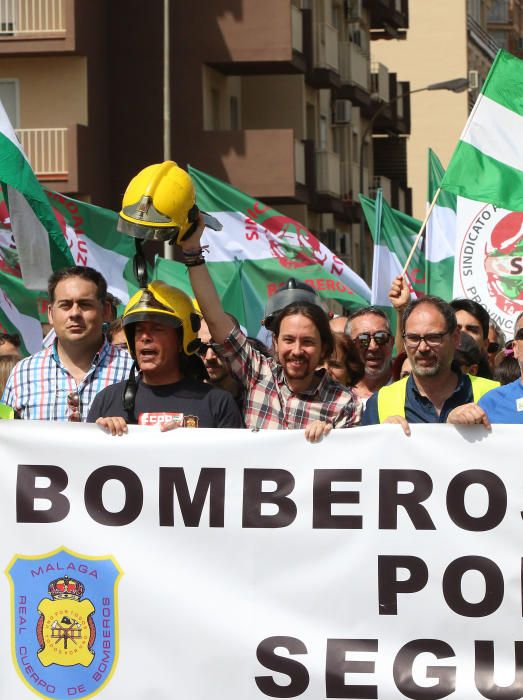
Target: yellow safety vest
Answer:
pixel 391 398
pixel 6 411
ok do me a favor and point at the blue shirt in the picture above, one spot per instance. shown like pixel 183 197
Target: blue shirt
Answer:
pixel 504 404
pixel 418 408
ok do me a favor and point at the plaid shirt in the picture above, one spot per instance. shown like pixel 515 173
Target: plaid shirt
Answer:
pixel 269 403
pixel 38 385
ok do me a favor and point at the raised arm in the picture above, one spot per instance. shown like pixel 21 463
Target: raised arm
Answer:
pixel 220 324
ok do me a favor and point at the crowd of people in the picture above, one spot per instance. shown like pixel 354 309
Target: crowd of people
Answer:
pixel 170 363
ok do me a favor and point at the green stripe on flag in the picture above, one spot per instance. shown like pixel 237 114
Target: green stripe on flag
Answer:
pixel 487 164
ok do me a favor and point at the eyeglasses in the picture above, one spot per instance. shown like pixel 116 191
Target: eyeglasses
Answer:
pixel 204 347
pixel 73 406
pixel 380 338
pixel 433 340
pixel 493 347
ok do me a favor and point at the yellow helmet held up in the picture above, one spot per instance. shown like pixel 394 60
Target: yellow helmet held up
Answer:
pixel 159 204
pixel 161 303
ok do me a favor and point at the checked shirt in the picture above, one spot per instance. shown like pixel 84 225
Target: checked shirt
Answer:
pixel 269 403
pixel 39 385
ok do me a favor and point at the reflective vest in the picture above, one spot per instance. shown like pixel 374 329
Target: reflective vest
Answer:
pixel 6 411
pixel 391 398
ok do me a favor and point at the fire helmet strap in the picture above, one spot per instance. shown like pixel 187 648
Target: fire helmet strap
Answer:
pixel 129 394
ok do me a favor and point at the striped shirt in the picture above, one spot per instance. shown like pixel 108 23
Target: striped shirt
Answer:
pixel 270 403
pixel 39 385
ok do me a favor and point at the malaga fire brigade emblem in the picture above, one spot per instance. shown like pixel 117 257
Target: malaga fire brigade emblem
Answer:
pixel 64 622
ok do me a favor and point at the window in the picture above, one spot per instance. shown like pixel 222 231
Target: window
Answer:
pixel 323 132
pixel 9 98
pixel 215 108
pixel 234 113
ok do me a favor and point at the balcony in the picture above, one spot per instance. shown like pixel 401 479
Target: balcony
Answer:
pixel 268 39
pixel 389 18
pixel 380 83
pixel 481 38
pixel 29 27
pixel 46 151
pixel 60 157
pixel 326 47
pixel 328 173
pixel 32 17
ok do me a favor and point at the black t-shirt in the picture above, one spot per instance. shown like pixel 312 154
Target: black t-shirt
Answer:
pixel 190 403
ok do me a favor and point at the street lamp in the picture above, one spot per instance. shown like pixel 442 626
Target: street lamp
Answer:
pixel 454 85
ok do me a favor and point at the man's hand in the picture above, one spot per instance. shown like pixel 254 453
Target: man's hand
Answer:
pixel 469 414
pixel 399 293
pixel 317 430
pixel 399 420
pixel 193 242
pixel 114 425
pixel 170 425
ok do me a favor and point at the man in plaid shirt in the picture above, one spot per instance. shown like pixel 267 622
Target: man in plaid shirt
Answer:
pixel 61 381
pixel 287 393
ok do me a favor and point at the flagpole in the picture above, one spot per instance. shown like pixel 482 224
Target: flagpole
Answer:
pixel 420 232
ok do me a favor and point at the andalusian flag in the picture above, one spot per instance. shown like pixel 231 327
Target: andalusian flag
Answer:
pixel 487 164
pixel 440 238
pixel 271 243
pixel 19 313
pixel 394 234
pixel 41 245
pixel 91 235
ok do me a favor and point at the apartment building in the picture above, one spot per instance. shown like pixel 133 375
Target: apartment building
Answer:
pixel 448 39
pixel 279 98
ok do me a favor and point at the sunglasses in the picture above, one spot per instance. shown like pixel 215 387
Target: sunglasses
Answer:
pixel 204 347
pixel 380 338
pixel 519 334
pixel 493 347
pixel 73 406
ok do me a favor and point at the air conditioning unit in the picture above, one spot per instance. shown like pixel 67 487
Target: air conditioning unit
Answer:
pixel 473 79
pixel 342 111
pixel 354 10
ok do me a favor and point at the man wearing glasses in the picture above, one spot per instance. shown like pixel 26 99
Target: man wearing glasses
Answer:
pixel 505 404
pixel 61 381
pixel 370 330
pixel 436 391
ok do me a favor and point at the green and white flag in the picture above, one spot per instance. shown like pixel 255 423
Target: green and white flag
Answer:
pixel 487 164
pixel 254 232
pixel 394 234
pixel 19 313
pixel 244 286
pixel 440 237
pixel 39 240
pixel 93 240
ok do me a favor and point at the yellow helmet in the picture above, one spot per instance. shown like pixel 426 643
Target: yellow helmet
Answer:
pixel 164 304
pixel 159 204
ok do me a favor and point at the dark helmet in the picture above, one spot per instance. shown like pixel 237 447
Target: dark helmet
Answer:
pixel 292 292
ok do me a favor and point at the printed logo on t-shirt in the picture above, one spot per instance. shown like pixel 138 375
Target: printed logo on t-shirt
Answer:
pixel 190 422
pixel 160 417
pixel 519 404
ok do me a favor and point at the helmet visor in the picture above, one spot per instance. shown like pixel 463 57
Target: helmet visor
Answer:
pixel 146 232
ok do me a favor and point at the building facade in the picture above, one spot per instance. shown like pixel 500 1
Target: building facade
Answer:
pixel 278 98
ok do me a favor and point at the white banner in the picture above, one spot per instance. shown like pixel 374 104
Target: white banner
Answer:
pixel 488 266
pixel 241 566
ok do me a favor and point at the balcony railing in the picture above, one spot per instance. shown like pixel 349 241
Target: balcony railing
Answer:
pixel 21 17
pixel 46 151
pixel 481 37
pixel 328 173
